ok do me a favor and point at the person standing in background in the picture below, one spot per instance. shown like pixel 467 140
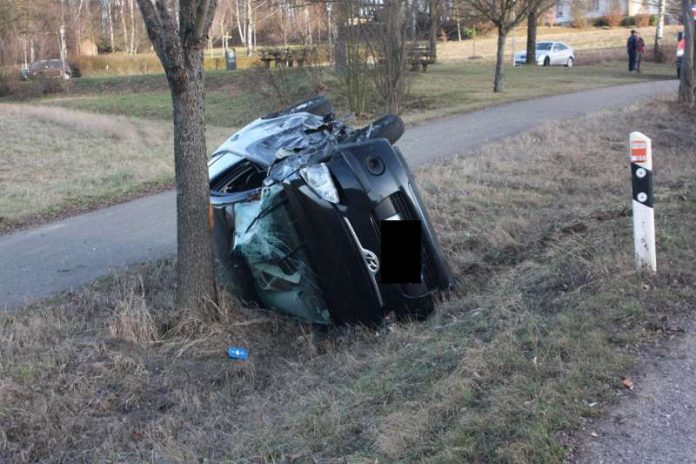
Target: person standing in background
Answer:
pixel 640 50
pixel 631 48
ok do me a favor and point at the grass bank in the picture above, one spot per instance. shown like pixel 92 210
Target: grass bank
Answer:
pixel 538 337
pixel 234 99
pixel 55 160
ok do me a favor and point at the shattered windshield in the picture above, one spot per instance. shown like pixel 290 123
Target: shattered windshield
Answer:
pixel 266 238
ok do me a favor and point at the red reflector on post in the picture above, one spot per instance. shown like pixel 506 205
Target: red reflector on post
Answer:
pixel 639 151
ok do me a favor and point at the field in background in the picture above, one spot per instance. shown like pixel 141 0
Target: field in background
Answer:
pixel 55 160
pixel 582 40
pixel 484 46
pixel 544 326
pixel 234 99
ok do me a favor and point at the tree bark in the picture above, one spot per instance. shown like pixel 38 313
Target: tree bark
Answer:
pixel 124 27
pixel 132 47
pixel 686 81
pixel 434 23
pixel 110 13
pixel 179 40
pixel 532 20
pixel 195 269
pixel 658 53
pixel 499 61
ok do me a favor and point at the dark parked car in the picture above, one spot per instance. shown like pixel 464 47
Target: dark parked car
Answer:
pixel 46 69
pixel 298 198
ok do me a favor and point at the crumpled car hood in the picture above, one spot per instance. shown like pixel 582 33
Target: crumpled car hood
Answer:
pixel 261 140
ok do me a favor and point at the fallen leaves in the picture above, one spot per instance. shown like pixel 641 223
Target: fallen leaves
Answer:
pixel 627 383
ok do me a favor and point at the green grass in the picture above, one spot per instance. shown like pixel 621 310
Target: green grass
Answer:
pixel 453 88
pixel 233 99
pixel 545 323
pixel 55 160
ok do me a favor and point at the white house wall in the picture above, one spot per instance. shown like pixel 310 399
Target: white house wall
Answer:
pixel 597 8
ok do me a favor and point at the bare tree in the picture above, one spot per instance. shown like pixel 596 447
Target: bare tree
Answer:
pixel 388 46
pixel 686 82
pixel 434 27
pixel 536 10
pixel 179 44
pixel 505 15
pixel 659 31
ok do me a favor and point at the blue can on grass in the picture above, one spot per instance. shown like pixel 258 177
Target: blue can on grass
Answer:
pixel 237 352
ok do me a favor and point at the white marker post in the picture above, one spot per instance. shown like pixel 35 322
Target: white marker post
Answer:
pixel 643 214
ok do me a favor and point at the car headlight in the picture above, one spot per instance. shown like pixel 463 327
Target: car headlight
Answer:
pixel 319 179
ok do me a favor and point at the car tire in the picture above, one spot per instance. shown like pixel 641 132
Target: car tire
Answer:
pixel 319 105
pixel 547 61
pixel 390 127
pixel 570 62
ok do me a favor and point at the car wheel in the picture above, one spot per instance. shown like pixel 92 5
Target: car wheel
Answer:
pixel 547 61
pixel 390 127
pixel 319 105
pixel 570 63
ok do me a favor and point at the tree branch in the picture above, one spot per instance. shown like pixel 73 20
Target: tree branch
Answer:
pixel 200 20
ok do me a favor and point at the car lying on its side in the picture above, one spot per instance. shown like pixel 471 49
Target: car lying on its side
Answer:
pixel 298 198
pixel 549 54
pixel 46 69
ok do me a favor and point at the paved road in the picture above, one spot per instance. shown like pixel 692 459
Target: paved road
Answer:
pixel 656 422
pixel 68 253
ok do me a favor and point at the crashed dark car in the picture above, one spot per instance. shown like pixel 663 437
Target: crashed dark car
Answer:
pixel 46 69
pixel 297 199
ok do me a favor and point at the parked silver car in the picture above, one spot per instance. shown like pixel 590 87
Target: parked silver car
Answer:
pixel 549 54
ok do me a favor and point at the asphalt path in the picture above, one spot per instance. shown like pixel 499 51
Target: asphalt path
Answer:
pixel 71 252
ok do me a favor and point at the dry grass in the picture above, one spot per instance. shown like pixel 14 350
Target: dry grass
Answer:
pixel 55 159
pixel 544 324
pixel 583 40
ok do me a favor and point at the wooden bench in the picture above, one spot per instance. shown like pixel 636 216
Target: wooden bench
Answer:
pixel 284 57
pixel 419 57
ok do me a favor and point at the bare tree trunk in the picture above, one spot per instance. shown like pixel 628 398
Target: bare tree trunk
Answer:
pixel 123 25
pixel 247 26
pixel 434 23
pixel 340 52
pixel 132 47
pixel 686 81
pixel 195 270
pixel 499 61
pixel 414 19
pixel 179 39
pixel 240 27
pixel 532 20
pixel 659 31
pixel 109 12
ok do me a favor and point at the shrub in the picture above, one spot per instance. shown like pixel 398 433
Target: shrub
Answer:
pixel 9 81
pixel 653 20
pixel 13 87
pixel 628 21
pixel 613 20
pixel 600 22
pixel 116 64
pixel 642 20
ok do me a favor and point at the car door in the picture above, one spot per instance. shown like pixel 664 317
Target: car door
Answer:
pixel 563 53
pixel 555 54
